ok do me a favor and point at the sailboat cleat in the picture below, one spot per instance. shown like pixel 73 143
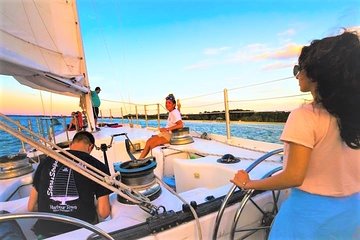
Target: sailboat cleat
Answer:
pixel 152 209
pixel 228 158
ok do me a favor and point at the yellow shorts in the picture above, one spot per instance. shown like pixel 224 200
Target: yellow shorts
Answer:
pixel 166 135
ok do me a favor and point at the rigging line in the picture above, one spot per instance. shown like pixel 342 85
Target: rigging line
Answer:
pixel 261 128
pixel 115 101
pixel 123 104
pixel 32 31
pixel 205 105
pixel 231 89
pixel 122 54
pixel 43 22
pixel 57 49
pixel 106 45
pixel 129 103
pixel 42 103
pixel 261 99
pixel 151 104
pixel 71 161
pixel 204 95
pixel 42 140
pixel 249 100
pixel 31 43
pixel 104 40
pixel 193 211
pixel 66 158
pixel 163 107
pixel 262 83
pixel 51 105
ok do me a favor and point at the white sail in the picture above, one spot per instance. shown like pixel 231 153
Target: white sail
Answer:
pixel 40 45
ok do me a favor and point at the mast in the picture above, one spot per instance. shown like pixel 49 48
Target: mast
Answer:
pixel 85 99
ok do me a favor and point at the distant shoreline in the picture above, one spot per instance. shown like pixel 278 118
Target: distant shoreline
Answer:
pixel 232 122
pixel 152 119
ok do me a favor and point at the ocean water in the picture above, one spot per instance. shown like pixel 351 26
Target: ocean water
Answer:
pixel 267 132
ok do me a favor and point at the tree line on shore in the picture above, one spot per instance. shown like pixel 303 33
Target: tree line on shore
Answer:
pixel 235 115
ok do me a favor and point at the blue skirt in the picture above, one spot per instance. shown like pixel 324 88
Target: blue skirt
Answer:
pixel 309 216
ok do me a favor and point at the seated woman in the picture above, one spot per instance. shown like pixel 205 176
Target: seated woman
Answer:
pixel 77 122
pixel 174 122
pixel 72 125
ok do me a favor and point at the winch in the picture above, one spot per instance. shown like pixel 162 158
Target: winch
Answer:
pixel 181 136
pixel 139 175
pixel 12 166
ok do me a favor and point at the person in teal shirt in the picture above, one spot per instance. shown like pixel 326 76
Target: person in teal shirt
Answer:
pixel 96 104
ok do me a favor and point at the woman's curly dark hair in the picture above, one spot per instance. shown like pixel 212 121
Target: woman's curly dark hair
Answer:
pixel 334 63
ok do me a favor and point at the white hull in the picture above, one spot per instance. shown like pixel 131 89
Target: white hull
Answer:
pixel 44 51
pixel 196 179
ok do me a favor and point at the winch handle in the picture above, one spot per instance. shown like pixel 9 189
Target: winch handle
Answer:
pixel 120 134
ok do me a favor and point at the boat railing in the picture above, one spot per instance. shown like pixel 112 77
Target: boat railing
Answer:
pixel 203 105
pixel 57 153
pixel 66 158
pixel 47 127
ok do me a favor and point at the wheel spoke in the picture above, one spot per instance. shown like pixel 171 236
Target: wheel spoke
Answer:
pixel 257 206
pixel 252 229
pixel 266 218
pixel 276 200
pixel 248 235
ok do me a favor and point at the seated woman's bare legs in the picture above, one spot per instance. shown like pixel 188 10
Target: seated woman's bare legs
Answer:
pixel 152 143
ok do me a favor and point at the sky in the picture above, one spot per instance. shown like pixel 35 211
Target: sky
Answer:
pixel 139 51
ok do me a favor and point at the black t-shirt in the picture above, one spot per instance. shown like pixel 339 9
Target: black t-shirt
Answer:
pixel 62 190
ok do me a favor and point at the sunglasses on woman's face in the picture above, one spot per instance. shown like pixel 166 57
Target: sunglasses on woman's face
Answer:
pixel 296 70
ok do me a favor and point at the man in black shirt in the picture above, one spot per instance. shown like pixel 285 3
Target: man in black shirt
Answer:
pixel 59 189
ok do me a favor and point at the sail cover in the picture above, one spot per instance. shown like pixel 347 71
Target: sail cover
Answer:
pixel 41 47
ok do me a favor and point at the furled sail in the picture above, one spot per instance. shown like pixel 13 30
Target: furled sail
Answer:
pixel 41 47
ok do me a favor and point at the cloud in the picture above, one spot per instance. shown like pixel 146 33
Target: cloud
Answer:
pixel 287 33
pixel 276 65
pixel 290 50
pixel 215 51
pixel 354 28
pixel 255 47
pixel 249 53
pixel 199 65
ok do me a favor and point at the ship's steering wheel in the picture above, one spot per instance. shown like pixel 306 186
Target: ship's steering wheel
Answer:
pixel 56 218
pixel 267 212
